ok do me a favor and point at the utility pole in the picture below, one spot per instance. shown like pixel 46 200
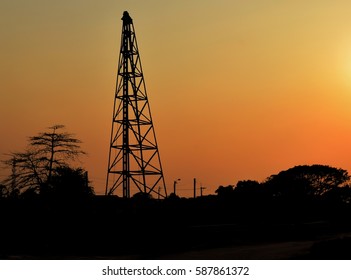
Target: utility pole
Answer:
pixel 134 163
pixel 175 185
pixel 194 187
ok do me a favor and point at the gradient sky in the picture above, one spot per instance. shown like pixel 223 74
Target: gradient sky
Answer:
pixel 238 89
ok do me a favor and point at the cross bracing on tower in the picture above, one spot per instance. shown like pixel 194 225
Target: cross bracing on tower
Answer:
pixel 134 163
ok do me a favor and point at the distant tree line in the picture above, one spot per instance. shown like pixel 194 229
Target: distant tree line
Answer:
pixel 300 183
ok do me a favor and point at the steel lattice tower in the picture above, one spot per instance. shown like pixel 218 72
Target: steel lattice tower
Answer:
pixel 134 163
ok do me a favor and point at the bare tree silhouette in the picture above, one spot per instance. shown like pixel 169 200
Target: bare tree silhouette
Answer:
pixel 46 152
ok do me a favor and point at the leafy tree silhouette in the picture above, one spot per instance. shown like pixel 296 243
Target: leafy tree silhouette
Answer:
pixel 225 191
pixel 247 186
pixel 68 183
pixel 307 181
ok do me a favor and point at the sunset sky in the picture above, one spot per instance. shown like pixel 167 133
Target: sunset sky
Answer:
pixel 238 89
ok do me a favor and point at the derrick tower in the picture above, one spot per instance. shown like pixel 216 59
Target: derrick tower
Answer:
pixel 134 163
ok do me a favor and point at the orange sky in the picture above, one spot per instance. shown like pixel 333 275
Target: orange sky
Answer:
pixel 238 89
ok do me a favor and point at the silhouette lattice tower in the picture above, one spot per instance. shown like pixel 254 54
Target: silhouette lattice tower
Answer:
pixel 134 164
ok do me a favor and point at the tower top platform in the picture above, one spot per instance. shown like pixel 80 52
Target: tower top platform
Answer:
pixel 126 18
